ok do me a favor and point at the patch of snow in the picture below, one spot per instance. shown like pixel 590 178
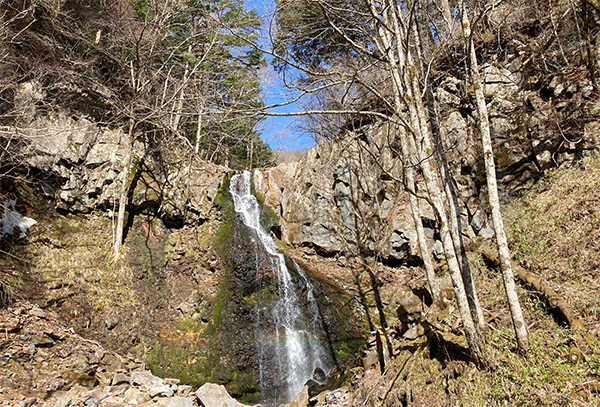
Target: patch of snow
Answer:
pixel 11 219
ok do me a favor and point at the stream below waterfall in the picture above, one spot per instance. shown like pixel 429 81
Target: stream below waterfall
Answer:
pixel 289 325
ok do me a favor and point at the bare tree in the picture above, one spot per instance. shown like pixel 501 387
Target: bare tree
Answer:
pixel 380 36
pixel 492 188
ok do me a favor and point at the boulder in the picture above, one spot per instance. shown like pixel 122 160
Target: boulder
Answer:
pixel 214 395
pixel 163 390
pixel 145 379
pixel 409 308
pixel 301 399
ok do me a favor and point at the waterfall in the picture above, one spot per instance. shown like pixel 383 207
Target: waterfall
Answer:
pixel 289 324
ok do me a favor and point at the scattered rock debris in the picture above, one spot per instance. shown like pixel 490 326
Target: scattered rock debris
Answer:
pixel 42 363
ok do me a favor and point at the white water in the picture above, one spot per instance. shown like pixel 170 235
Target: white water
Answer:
pixel 296 351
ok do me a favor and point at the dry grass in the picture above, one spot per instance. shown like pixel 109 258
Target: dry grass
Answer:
pixel 555 232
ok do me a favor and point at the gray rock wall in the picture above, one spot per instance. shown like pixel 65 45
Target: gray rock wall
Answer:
pixel 347 194
pixel 82 168
pixel 340 197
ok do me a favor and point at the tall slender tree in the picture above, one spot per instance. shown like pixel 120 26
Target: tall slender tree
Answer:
pixel 492 186
pixel 380 36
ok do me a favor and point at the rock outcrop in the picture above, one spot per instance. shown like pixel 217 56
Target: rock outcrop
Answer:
pixel 81 166
pixel 347 194
pixel 339 197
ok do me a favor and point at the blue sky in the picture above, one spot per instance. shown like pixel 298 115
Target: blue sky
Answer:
pixel 279 132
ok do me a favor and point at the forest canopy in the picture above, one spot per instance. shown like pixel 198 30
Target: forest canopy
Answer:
pixel 181 70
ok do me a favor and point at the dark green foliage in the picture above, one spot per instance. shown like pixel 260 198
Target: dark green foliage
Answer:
pixel 168 68
pixel 306 36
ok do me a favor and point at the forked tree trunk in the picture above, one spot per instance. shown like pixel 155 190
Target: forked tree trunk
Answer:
pixel 451 198
pixel 124 193
pixel 392 36
pixel 422 138
pixel 490 171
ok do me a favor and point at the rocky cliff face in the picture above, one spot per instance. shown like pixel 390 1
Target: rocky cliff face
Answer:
pixel 347 194
pixel 318 200
pixel 183 294
pixel 80 164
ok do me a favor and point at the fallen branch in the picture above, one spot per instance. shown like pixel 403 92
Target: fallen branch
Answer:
pixel 553 299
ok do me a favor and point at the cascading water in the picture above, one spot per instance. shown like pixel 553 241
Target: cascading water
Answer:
pixel 289 324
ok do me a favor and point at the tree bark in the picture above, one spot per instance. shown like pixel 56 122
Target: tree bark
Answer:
pixel 588 45
pixel 124 193
pixel 447 16
pixel 593 3
pixel 452 200
pixel 180 99
pixel 392 37
pixel 199 126
pixel 490 170
pixel 424 248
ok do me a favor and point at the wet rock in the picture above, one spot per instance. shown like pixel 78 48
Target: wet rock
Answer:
pixel 301 399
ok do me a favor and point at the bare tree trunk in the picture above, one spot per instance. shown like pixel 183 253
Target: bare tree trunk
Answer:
pixel 452 200
pixel 415 211
pixel 447 16
pixel 490 170
pixel 422 137
pixel 409 177
pixel 199 128
pixel 179 103
pixel 586 14
pixel 124 193
pixel 424 248
pixel 403 71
